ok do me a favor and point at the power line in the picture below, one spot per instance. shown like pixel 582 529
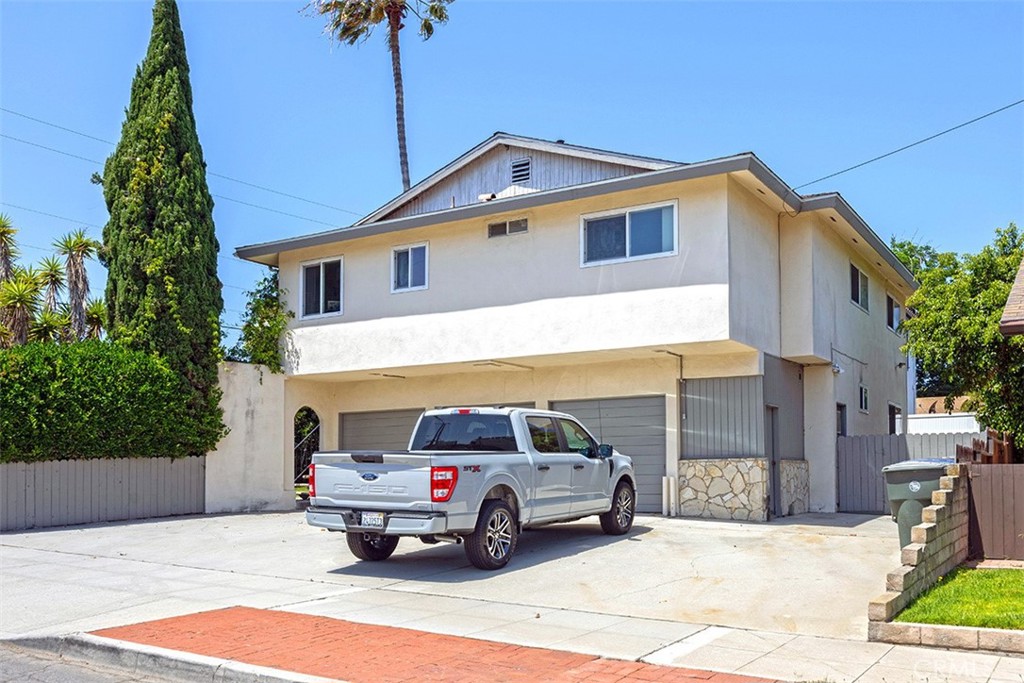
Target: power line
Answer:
pixel 217 196
pixel 913 144
pixel 217 175
pixel 224 257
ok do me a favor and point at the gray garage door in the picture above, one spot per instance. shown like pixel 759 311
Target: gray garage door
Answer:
pixel 381 430
pixel 636 427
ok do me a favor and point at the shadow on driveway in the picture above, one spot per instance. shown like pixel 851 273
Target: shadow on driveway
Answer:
pixel 535 547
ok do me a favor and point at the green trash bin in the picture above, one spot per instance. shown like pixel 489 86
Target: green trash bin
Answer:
pixel 909 485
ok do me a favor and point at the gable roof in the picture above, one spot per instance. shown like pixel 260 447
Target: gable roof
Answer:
pixel 267 252
pixel 500 138
pixel 1012 322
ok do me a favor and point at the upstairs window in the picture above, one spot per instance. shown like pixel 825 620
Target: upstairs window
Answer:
pixel 863 399
pixel 892 313
pixel 503 228
pixel 321 288
pixel 409 268
pixel 858 287
pixel 640 233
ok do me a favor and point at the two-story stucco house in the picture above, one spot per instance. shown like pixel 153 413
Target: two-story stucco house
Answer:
pixel 702 317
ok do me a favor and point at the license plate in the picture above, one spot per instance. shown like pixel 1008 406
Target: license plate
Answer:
pixel 374 520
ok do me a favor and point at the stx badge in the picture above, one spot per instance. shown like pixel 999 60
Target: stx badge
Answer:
pixel 471 468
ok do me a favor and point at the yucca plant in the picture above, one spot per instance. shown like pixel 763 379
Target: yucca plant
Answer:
pixel 49 326
pixel 51 274
pixel 95 318
pixel 8 248
pixel 76 248
pixel 19 297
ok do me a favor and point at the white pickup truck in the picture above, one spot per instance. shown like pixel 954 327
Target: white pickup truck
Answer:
pixel 476 476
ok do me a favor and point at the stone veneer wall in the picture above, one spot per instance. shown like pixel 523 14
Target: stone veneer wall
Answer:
pixel 728 488
pixel 795 488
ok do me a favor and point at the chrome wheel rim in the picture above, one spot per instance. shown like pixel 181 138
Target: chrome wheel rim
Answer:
pixel 624 507
pixel 499 535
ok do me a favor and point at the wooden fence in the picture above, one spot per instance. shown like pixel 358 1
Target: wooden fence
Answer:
pixel 61 492
pixel 997 511
pixel 860 459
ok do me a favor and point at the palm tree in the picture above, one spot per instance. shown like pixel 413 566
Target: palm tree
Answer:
pixel 352 21
pixel 19 297
pixel 51 272
pixel 76 248
pixel 8 249
pixel 95 318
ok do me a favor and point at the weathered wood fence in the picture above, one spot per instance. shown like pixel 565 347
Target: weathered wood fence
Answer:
pixel 860 459
pixel 61 492
pixel 996 511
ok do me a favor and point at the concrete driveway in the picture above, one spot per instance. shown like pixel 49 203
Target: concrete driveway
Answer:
pixel 811 574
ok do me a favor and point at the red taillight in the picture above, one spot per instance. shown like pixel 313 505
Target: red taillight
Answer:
pixel 442 483
pixel 312 481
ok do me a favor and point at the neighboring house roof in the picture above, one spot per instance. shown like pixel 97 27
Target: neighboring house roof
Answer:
pixel 500 138
pixel 661 172
pixel 1012 322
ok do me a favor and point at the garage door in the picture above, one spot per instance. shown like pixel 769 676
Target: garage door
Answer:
pixel 377 431
pixel 636 427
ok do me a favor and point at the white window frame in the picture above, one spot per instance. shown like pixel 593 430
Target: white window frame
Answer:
pixel 863 399
pixel 426 267
pixel 862 302
pixel 897 313
pixel 626 211
pixel 302 287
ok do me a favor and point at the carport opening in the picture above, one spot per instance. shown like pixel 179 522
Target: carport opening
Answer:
pixel 307 442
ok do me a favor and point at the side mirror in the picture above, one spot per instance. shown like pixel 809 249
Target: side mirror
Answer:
pixel 604 451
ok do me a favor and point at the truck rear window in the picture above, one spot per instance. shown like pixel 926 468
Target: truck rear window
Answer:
pixel 471 432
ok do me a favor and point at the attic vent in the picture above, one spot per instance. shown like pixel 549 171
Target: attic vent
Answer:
pixel 521 171
pixel 507 228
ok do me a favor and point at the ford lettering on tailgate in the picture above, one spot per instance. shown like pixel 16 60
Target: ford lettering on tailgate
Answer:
pixel 380 489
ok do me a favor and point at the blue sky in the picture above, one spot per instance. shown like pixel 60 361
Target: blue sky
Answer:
pixel 811 88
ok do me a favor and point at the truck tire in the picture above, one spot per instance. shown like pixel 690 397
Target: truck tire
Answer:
pixel 619 519
pixel 373 549
pixel 492 543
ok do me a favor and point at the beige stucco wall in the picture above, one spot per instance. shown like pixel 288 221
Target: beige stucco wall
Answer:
pixel 754 290
pixel 251 467
pixel 521 295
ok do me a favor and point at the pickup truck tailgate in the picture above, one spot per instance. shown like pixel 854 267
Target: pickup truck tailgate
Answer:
pixel 373 481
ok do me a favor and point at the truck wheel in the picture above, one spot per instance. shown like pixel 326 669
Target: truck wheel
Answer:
pixel 619 519
pixel 374 548
pixel 491 545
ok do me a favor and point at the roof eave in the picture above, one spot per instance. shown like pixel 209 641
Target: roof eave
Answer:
pixel 266 252
pixel 837 203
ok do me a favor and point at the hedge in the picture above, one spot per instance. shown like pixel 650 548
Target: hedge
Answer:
pixel 91 399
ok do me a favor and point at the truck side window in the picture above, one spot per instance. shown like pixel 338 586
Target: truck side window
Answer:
pixel 543 434
pixel 577 437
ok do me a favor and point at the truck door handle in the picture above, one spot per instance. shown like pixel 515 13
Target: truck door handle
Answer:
pixel 543 468
pixel 578 466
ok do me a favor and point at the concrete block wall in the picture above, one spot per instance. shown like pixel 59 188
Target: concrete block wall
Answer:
pixel 938 545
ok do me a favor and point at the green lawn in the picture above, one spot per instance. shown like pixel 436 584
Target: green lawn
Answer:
pixel 988 598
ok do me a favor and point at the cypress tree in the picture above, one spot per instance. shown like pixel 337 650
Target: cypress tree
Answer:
pixel 163 294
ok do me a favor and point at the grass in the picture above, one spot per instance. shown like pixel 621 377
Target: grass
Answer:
pixel 986 598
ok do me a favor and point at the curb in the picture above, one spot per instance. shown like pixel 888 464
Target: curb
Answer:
pixel 148 660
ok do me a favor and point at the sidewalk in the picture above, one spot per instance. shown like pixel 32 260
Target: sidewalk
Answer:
pixel 328 647
pixel 365 653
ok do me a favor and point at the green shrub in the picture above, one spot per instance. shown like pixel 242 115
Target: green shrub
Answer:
pixel 92 399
